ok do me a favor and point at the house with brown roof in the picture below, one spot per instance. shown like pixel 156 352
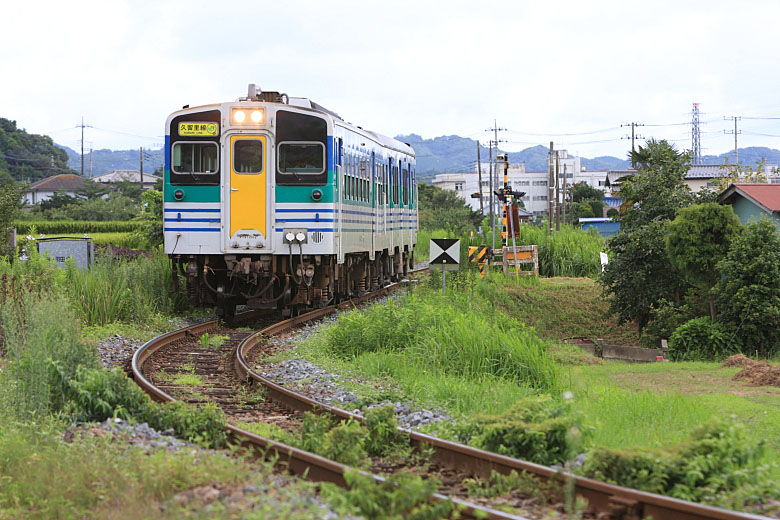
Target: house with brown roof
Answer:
pixel 752 201
pixel 43 189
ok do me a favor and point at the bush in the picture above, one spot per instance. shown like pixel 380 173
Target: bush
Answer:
pixel 701 339
pixel 719 461
pixel 665 318
pixel 383 434
pixel 539 429
pixel 748 292
pixel 96 395
pixel 313 431
pixel 401 496
pixel 345 443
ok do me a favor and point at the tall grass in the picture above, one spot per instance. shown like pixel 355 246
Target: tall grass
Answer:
pixel 568 252
pixel 123 290
pixel 36 330
pixel 458 335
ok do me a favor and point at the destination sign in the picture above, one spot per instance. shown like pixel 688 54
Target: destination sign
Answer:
pixel 196 128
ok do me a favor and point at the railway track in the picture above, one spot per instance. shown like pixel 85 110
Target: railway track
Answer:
pixel 224 370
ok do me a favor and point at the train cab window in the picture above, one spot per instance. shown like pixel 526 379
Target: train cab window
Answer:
pixel 248 156
pixel 301 158
pixel 194 163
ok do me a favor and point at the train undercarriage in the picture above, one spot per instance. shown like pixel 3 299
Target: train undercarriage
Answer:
pixel 290 283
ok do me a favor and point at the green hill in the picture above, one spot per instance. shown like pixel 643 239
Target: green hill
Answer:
pixel 28 157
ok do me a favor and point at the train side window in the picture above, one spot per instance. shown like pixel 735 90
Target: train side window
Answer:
pixel 395 185
pixel 406 186
pixel 194 163
pixel 248 156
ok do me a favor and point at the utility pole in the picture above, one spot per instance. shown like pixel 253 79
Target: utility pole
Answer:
pixel 564 193
pixel 557 191
pixel 82 146
pixel 82 125
pixel 634 136
pixel 90 163
pixel 494 171
pixel 735 132
pixel 479 187
pixel 551 188
pixel 142 167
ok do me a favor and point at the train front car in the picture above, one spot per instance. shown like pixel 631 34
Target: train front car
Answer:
pixel 252 206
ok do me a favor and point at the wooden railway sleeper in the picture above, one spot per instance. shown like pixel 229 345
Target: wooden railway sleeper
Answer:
pixel 623 508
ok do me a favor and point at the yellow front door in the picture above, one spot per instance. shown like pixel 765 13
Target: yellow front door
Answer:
pixel 248 174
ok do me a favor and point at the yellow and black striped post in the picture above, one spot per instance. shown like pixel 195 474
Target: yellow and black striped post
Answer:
pixel 478 255
pixel 504 231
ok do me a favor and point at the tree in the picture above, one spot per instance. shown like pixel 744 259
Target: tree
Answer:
pixel 639 275
pixel 10 201
pixel 582 191
pixel 58 199
pixel 697 239
pixel 658 190
pixel 443 209
pixel 28 156
pixel 93 190
pixel 748 292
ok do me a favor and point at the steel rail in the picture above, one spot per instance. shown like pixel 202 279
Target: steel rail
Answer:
pixel 295 460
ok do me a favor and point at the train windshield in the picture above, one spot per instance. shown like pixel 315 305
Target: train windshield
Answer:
pixel 301 150
pixel 303 158
pixel 194 163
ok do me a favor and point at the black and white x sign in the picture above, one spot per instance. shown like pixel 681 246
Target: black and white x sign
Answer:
pixel 445 251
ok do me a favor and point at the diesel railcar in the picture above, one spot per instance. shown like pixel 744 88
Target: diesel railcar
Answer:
pixel 274 201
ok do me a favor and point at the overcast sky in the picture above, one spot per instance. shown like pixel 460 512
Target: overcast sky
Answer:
pixel 430 68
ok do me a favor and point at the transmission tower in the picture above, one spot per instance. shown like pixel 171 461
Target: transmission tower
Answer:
pixel 695 135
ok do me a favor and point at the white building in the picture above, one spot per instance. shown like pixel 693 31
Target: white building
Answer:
pixel 534 184
pixel 68 184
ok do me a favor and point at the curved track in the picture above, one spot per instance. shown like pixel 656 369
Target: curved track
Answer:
pixel 605 500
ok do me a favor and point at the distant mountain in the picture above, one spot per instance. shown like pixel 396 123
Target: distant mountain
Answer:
pixel 105 161
pixel 455 154
pixel 747 156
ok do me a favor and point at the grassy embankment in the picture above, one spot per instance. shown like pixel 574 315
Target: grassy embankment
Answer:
pixel 620 405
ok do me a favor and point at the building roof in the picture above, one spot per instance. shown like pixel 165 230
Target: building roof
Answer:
pixel 125 175
pixel 696 171
pixel 707 171
pixel 64 182
pixel 766 196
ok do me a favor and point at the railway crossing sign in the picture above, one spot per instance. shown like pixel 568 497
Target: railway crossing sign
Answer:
pixel 445 253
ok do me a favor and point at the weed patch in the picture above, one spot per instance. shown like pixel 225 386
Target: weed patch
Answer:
pixel 539 429
pixel 207 341
pixel 719 465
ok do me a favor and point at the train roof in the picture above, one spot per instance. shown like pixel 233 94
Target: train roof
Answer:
pixel 384 140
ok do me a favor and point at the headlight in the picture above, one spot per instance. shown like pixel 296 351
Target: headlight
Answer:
pixel 243 116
